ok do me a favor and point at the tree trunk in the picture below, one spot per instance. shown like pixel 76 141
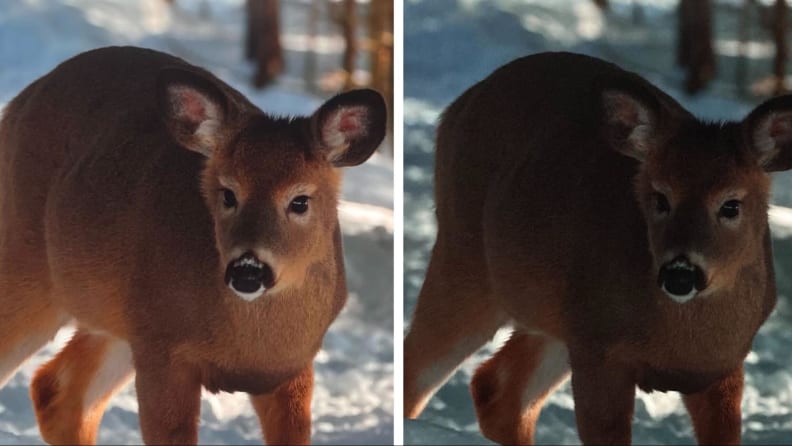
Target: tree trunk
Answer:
pixel 380 28
pixel 694 43
pixel 262 43
pixel 779 36
pixel 350 36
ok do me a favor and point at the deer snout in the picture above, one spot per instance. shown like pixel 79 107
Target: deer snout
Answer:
pixel 681 279
pixel 249 277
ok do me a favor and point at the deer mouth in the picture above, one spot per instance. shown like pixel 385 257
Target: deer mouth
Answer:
pixel 248 277
pixel 681 280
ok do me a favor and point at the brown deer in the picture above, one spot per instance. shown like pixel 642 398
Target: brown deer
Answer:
pixel 193 238
pixel 625 240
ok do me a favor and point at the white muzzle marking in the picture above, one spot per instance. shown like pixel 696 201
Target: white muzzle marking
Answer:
pixel 681 299
pixel 249 296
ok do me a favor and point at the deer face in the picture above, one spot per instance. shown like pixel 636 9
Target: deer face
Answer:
pixel 703 188
pixel 270 184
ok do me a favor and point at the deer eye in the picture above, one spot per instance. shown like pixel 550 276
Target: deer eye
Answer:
pixel 730 209
pixel 229 199
pixel 661 203
pixel 299 204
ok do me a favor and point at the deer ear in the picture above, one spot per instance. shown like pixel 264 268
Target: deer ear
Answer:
pixel 631 123
pixel 193 109
pixel 350 126
pixel 768 133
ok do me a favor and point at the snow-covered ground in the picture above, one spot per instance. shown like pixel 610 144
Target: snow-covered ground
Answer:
pixel 353 400
pixel 451 44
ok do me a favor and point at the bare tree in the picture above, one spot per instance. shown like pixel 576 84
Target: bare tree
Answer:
pixel 780 11
pixel 380 28
pixel 349 24
pixel 694 43
pixel 262 43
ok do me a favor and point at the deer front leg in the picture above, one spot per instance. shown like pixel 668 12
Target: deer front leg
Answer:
pixel 285 414
pixel 169 400
pixel 604 395
pixel 715 411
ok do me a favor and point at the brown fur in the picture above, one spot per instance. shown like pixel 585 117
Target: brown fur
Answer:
pixel 107 217
pixel 543 222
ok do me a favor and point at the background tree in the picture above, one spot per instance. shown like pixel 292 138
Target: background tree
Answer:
pixel 694 43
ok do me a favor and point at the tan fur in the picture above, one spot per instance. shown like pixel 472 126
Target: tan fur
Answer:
pixel 111 213
pixel 545 177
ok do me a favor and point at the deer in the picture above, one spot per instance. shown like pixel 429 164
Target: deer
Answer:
pixel 191 238
pixel 624 240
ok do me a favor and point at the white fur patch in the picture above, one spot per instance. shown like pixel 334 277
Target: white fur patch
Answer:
pixel 116 368
pixel 552 371
pixel 206 135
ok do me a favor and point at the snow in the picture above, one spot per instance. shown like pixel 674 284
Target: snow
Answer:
pixel 353 398
pixel 452 44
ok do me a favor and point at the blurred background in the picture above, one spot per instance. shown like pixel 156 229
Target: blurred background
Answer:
pixel 719 58
pixel 287 57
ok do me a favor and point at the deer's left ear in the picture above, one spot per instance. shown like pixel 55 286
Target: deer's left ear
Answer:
pixel 349 127
pixel 768 133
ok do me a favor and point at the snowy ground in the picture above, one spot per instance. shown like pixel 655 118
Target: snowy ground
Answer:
pixel 453 44
pixel 353 400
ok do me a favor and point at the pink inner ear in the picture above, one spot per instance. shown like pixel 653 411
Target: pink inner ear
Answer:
pixel 351 121
pixel 343 126
pixel 781 127
pixel 190 105
pixel 622 109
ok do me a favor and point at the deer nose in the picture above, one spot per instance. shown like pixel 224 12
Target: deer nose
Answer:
pixel 248 277
pixel 681 279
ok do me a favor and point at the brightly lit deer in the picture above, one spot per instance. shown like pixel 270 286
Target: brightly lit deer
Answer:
pixel 193 238
pixel 626 241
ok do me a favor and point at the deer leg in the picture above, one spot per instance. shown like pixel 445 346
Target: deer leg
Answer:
pixel 454 317
pixel 715 411
pixel 285 414
pixel 604 394
pixel 169 400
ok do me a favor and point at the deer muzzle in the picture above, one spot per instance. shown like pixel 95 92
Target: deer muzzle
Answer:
pixel 248 277
pixel 681 280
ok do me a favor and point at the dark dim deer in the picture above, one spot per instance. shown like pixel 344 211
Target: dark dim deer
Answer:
pixel 193 238
pixel 625 240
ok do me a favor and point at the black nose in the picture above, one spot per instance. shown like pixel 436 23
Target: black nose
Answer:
pixel 248 275
pixel 679 277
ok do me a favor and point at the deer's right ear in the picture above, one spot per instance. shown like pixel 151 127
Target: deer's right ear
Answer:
pixel 768 133
pixel 631 123
pixel 350 126
pixel 193 109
